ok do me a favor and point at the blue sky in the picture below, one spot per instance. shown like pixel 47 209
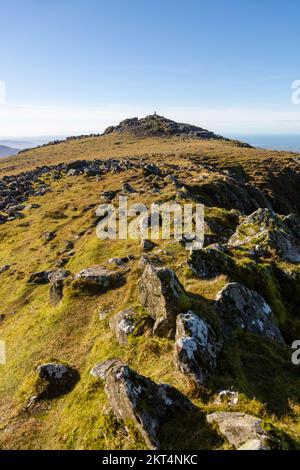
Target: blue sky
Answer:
pixel 74 66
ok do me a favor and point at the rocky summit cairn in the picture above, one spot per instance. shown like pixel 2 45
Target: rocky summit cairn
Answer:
pixel 159 126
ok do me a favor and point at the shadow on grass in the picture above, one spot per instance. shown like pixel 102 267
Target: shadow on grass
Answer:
pixel 259 369
pixel 189 431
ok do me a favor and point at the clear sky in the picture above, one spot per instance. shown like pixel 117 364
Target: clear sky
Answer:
pixel 73 66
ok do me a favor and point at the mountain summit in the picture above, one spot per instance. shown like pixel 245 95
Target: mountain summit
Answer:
pixel 159 126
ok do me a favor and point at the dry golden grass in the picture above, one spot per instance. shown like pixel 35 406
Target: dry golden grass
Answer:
pixel 171 149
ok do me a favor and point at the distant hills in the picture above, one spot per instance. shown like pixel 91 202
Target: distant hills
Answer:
pixel 7 151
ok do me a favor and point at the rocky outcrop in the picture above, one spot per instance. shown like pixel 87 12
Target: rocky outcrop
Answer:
pixel 229 193
pixel 293 222
pixel 121 261
pixel 196 347
pixel 47 236
pixel 137 400
pixel 240 307
pixel 54 379
pixel 230 397
pixel 128 189
pixel 147 245
pixel 97 279
pixel 265 233
pixel 254 444
pixel 240 429
pixel 151 170
pixel 163 297
pixel 100 370
pixel 41 277
pixel 16 189
pixel 155 125
pixel 4 268
pixel 57 283
pixel 209 263
pixel 122 324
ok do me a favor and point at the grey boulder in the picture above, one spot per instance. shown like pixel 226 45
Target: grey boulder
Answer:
pixel 57 283
pixel 163 296
pixel 240 428
pixel 240 307
pixel 196 347
pixel 136 399
pixel 55 379
pixel 97 279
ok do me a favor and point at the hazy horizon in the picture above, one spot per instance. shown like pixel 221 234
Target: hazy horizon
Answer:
pixel 129 59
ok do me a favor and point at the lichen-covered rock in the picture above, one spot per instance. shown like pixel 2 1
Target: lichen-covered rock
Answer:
pixel 100 370
pixel 128 189
pixel 48 236
pixel 196 347
pixel 265 232
pixel 147 245
pixel 220 190
pixel 209 263
pixel 240 307
pixel 4 268
pixel 139 401
pixel 230 397
pixel 124 323
pixel 293 222
pixel 57 283
pixel 163 297
pixel 239 428
pixel 121 261
pixel 54 379
pixel 42 277
pixel 96 279
pixel 254 444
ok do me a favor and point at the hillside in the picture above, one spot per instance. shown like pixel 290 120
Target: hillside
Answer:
pixel 7 151
pixel 131 311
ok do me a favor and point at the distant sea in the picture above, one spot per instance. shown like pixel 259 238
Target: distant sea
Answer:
pixel 266 141
pixel 271 142
pixel 28 142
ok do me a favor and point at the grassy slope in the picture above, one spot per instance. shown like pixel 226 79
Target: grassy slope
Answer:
pixel 72 331
pixel 120 146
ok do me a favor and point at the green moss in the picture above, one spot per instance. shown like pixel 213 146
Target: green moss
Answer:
pixel 260 277
pixel 278 439
pixel 142 322
pixel 259 369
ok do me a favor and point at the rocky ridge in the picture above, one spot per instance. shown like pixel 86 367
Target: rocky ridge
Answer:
pixel 167 330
